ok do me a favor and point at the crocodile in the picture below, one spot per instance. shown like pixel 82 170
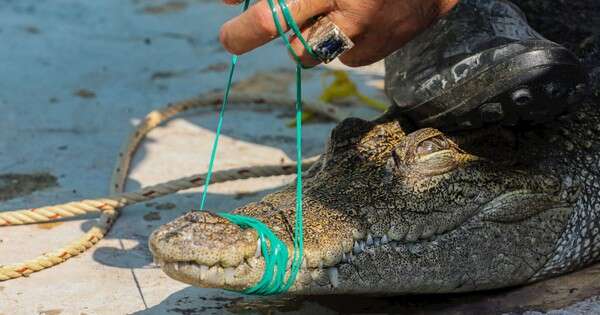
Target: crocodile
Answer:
pixel 392 209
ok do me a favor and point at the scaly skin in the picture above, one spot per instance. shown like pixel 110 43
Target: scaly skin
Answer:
pixel 392 213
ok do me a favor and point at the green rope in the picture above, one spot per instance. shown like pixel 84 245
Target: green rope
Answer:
pixel 289 19
pixel 213 153
pixel 291 23
pixel 276 254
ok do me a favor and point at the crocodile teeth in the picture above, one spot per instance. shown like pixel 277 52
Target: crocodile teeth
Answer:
pixel 356 248
pixel 377 241
pixel 348 257
pixel 385 240
pixel 344 258
pixel 203 272
pixel 333 276
pixel 258 249
pixel 369 239
pixel 215 275
pixel 315 274
pixel 229 275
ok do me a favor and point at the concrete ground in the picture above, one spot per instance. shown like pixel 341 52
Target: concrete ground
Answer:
pixel 75 77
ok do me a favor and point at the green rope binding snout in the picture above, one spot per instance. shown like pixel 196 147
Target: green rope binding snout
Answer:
pixel 276 254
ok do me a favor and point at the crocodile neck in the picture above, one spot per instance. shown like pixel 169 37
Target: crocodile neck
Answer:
pixel 570 150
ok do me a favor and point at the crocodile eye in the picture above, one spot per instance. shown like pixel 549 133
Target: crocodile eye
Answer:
pixel 426 152
pixel 432 145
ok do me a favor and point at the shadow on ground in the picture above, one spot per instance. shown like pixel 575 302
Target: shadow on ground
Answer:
pixel 544 296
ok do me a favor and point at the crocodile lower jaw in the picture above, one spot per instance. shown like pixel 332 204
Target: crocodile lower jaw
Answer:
pixel 250 270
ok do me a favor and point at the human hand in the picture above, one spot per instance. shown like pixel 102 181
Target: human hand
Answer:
pixel 377 27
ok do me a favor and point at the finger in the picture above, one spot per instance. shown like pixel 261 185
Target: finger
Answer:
pixel 255 27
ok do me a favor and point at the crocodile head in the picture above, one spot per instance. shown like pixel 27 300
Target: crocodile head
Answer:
pixel 384 213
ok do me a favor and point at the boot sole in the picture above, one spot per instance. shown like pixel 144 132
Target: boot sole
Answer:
pixel 528 89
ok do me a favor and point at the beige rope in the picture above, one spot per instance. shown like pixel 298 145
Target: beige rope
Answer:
pixel 109 206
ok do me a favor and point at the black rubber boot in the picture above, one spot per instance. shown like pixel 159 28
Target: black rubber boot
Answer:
pixel 483 64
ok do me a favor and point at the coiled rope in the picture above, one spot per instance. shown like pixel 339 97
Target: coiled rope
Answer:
pixel 109 206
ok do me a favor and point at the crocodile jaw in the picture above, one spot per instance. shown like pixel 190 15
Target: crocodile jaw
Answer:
pixel 460 260
pixel 384 214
